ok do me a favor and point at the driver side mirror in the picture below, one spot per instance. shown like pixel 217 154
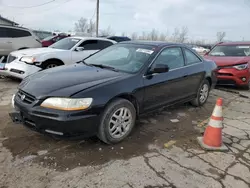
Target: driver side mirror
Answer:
pixel 79 49
pixel 160 68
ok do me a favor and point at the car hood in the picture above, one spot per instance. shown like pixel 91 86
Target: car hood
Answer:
pixel 35 51
pixel 66 80
pixel 228 61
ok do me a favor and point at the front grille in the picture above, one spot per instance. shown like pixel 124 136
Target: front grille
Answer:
pixel 226 82
pixel 25 97
pixel 224 74
pixel 11 58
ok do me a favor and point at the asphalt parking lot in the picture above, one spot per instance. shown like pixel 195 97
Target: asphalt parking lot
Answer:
pixel 161 152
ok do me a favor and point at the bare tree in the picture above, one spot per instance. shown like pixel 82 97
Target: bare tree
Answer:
pixel 162 37
pixel 180 35
pixel 153 35
pixel 220 36
pixel 134 36
pixel 81 25
pixel 143 36
pixel 91 28
pixel 183 34
pixel 124 34
pixel 175 34
pixel 106 32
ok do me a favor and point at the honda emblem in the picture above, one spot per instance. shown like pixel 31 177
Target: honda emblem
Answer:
pixel 22 97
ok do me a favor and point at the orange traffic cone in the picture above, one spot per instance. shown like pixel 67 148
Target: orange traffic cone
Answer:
pixel 212 138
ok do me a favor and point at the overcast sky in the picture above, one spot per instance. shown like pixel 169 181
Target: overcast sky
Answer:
pixel 202 17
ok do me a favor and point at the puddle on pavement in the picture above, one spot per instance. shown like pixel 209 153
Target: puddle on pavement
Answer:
pixel 155 128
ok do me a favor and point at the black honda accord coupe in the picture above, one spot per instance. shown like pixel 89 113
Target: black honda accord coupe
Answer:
pixel 105 93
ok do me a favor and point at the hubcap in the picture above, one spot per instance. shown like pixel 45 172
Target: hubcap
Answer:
pixel 204 93
pixel 51 66
pixel 120 122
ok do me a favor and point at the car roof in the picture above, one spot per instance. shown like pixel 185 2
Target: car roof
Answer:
pixel 233 43
pixel 153 43
pixel 14 27
pixel 91 38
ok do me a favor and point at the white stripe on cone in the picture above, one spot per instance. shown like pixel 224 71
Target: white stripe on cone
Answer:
pixel 217 111
pixel 215 123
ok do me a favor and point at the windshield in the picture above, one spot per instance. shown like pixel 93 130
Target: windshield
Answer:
pixel 49 38
pixel 232 50
pixel 123 57
pixel 65 44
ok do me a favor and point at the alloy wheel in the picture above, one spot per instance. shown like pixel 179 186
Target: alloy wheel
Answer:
pixel 120 122
pixel 204 93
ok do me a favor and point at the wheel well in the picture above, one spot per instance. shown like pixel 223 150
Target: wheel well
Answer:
pixel 209 80
pixel 54 60
pixel 131 99
pixel 23 48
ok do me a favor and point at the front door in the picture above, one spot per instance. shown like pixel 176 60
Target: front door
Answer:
pixel 195 72
pixel 169 87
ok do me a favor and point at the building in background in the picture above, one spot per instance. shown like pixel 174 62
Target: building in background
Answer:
pixel 5 21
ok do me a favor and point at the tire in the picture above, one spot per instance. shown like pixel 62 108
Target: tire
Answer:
pixel 51 64
pixel 199 101
pixel 112 110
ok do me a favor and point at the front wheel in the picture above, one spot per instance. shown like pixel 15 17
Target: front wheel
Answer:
pixel 202 94
pixel 118 120
pixel 51 64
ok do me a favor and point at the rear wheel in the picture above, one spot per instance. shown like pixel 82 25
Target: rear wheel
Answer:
pixel 202 94
pixel 117 121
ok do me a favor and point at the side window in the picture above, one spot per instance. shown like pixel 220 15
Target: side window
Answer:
pixel 95 44
pixel 191 57
pixel 103 44
pixel 16 33
pixel 172 57
pixel 89 45
pixel 3 32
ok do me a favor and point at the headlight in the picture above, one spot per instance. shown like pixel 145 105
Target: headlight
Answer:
pixel 68 104
pixel 28 59
pixel 241 67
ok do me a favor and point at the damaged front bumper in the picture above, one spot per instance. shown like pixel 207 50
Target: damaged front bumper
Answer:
pixel 18 69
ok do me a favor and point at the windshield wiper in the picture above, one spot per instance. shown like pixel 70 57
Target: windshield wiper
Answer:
pixel 104 67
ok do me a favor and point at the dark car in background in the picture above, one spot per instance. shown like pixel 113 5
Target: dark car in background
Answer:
pixel 105 93
pixel 118 38
pixel 233 61
pixel 52 39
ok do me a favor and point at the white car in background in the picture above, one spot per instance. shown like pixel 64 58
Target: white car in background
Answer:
pixel 23 63
pixel 200 49
pixel 14 38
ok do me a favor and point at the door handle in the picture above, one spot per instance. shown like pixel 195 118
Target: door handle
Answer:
pixel 9 42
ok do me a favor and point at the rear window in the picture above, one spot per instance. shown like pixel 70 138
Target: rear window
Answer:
pixel 49 38
pixel 17 33
pixel 231 50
